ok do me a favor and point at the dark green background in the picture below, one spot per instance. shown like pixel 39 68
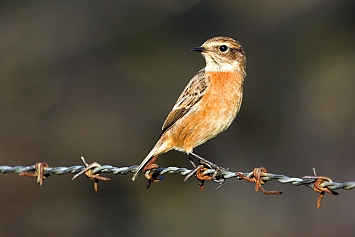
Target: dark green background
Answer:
pixel 97 78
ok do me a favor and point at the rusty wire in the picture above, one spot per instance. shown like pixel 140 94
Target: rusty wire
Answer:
pixel 305 181
pixel 259 176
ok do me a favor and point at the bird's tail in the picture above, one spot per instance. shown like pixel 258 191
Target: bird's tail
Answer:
pixel 144 163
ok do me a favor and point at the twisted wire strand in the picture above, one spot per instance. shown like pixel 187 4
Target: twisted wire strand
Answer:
pixel 309 181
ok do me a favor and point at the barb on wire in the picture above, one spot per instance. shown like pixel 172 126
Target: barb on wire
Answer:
pixel 320 184
pixel 90 174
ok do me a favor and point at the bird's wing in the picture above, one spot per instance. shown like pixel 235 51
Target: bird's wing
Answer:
pixel 192 93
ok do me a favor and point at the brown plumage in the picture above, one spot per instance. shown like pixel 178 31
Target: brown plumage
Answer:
pixel 209 102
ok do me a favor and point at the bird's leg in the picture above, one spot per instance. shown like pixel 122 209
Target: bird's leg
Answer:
pixel 196 168
pixel 203 161
pixel 209 163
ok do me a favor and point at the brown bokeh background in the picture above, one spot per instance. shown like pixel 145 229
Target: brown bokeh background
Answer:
pixel 97 78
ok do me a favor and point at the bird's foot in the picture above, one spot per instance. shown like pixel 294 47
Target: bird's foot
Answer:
pixel 203 166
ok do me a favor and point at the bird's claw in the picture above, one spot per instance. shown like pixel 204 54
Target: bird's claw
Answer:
pixel 200 169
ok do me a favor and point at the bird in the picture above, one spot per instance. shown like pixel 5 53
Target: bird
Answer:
pixel 208 104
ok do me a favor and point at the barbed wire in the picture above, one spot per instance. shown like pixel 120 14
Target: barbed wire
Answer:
pixel 320 184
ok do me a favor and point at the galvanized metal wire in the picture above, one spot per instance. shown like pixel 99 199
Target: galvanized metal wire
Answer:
pixel 305 181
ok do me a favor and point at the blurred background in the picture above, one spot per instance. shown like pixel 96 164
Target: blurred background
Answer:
pixel 97 78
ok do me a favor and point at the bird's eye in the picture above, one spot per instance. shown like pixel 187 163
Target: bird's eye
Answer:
pixel 223 48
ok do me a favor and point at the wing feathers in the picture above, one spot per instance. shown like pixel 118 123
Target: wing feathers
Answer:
pixel 192 93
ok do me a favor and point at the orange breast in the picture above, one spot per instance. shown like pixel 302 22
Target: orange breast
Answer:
pixel 213 113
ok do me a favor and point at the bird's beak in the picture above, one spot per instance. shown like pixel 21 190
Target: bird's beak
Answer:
pixel 199 49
